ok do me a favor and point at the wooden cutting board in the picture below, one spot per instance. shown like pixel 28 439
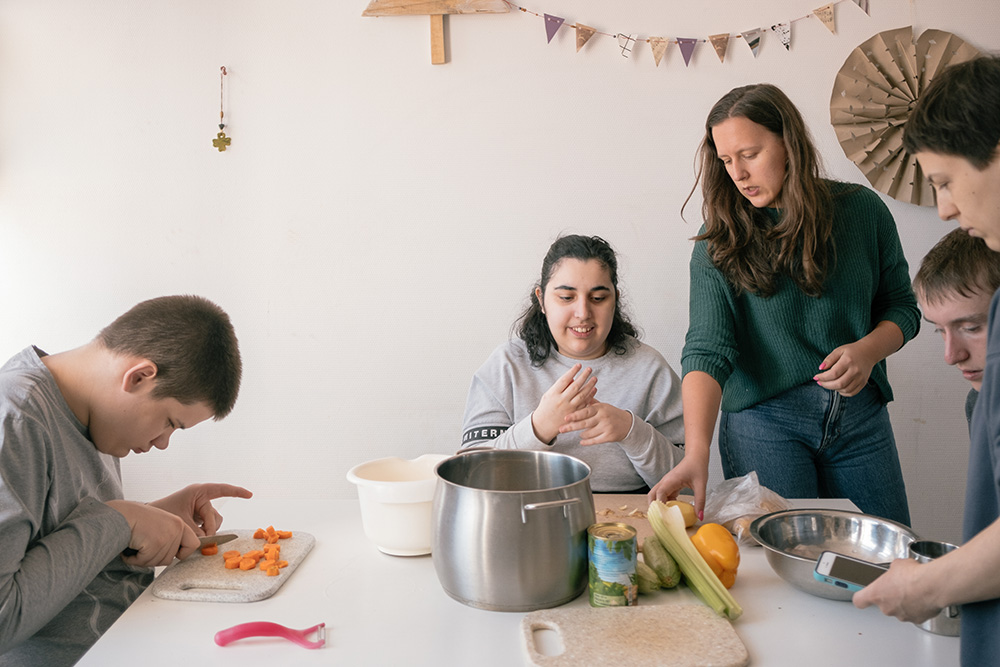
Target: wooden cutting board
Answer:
pixel 665 635
pixel 625 508
pixel 205 578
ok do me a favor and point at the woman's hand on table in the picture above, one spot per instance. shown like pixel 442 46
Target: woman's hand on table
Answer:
pixel 571 392
pixel 599 423
pixel 689 473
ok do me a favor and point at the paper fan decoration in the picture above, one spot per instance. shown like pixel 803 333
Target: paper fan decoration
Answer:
pixel 872 98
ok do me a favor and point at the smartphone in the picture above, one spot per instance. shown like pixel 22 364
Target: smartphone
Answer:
pixel 846 572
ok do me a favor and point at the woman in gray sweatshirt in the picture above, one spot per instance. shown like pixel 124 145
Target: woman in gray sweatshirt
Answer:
pixel 576 379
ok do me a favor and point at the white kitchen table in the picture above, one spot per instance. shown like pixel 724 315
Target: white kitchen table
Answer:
pixel 384 610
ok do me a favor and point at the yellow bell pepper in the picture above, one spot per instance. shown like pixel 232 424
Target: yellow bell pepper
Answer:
pixel 717 546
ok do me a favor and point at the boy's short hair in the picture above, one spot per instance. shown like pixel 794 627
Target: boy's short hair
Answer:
pixel 958 113
pixel 191 341
pixel 957 264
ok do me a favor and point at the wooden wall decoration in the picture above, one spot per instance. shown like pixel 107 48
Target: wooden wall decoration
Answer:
pixel 873 95
pixel 436 9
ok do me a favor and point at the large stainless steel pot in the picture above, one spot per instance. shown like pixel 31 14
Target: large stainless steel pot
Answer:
pixel 510 528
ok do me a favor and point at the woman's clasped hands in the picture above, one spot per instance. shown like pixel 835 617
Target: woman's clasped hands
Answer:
pixel 570 404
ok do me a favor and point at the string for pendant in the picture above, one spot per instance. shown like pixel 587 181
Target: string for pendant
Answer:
pixel 222 75
pixel 221 141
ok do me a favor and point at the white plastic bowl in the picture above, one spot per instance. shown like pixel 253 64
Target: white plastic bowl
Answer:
pixel 395 496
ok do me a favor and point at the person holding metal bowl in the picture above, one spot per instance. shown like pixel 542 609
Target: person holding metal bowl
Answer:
pixel 954 132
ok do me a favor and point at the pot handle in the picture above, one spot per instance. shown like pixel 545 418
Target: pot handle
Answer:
pixel 546 505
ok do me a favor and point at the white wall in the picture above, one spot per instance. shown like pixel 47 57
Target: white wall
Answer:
pixel 378 221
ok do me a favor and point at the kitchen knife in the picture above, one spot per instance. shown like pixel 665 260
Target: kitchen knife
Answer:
pixel 205 541
pixel 216 539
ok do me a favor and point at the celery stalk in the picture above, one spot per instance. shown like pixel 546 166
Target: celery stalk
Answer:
pixel 668 524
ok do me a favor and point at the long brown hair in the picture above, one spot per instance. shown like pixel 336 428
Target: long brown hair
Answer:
pixel 742 242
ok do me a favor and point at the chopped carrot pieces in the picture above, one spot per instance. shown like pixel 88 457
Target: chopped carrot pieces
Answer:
pixel 210 550
pixel 266 558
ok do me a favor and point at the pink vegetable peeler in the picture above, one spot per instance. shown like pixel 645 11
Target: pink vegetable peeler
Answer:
pixel 266 629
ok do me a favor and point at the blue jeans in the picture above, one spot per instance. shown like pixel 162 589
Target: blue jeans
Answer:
pixel 810 442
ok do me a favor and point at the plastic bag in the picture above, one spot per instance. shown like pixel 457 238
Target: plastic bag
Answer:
pixel 736 502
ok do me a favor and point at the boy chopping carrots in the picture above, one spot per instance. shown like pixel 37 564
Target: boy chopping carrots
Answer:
pixel 66 420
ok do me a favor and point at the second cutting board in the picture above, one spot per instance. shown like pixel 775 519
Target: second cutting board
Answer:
pixel 664 635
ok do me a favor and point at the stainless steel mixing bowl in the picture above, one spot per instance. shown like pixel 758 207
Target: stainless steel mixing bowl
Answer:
pixel 794 539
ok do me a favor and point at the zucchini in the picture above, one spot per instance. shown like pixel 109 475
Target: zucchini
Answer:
pixel 647 579
pixel 656 556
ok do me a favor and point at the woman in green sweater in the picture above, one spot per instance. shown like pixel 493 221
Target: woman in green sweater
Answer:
pixel 799 291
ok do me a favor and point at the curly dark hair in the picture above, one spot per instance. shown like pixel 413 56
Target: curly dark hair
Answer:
pixel 533 328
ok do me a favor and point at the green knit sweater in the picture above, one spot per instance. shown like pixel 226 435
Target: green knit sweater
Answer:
pixel 757 347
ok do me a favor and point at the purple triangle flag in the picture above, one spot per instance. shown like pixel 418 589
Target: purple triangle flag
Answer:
pixel 552 25
pixel 687 45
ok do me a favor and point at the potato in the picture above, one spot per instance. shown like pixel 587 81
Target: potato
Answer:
pixel 687 511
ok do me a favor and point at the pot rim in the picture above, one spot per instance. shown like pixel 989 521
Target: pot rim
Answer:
pixel 508 452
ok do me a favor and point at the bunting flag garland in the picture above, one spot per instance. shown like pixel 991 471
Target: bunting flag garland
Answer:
pixel 752 38
pixel 825 14
pixel 784 33
pixel 687 45
pixel 659 46
pixel 687 48
pixel 552 25
pixel 721 43
pixel 626 42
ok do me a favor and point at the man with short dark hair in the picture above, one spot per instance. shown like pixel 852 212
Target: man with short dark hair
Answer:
pixel 954 131
pixel 66 420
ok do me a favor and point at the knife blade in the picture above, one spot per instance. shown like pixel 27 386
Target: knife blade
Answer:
pixel 216 539
pixel 205 541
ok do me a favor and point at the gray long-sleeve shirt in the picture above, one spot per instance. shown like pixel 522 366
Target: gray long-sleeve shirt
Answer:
pixel 62 581
pixel 507 388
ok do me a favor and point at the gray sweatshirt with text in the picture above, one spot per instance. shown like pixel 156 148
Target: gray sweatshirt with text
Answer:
pixel 507 388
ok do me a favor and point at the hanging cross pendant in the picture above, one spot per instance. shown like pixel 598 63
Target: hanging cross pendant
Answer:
pixel 221 141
